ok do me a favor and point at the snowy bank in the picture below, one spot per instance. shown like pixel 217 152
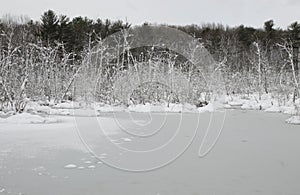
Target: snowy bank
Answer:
pixel 295 120
pixel 36 108
pixel 26 118
pixel 68 105
pixel 170 108
pixel 266 103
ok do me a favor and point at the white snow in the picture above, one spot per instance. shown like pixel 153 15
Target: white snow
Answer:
pixel 145 108
pixel 91 166
pixel 233 103
pixel 126 139
pixel 108 108
pixel 273 109
pixel 68 105
pixel 227 106
pixel 170 108
pixel 63 112
pixel 265 102
pixel 34 107
pixel 292 110
pixel 65 109
pixel 208 108
pixel 71 166
pixel 295 120
pixel 26 118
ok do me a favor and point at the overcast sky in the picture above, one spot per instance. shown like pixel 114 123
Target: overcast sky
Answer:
pixel 231 12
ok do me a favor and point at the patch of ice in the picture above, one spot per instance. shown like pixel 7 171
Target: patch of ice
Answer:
pixel 91 166
pixel 87 162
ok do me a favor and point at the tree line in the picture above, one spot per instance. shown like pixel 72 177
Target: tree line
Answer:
pixel 40 59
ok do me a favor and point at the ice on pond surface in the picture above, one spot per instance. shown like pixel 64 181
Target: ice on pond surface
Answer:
pixel 256 137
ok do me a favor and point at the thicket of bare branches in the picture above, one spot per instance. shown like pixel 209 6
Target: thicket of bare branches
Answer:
pixel 31 69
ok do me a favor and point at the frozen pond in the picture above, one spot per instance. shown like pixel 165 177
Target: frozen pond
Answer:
pixel 256 153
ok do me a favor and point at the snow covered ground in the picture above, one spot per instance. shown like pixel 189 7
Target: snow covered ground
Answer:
pixel 26 118
pixel 36 113
pixel 257 153
pixel 266 103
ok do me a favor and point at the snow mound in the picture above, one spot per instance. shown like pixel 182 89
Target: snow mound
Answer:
pixel 208 108
pixel 62 112
pixel 227 106
pixel 126 139
pixel 146 108
pixel 289 110
pixel 26 118
pixel 273 109
pixel 108 108
pixel 251 105
pixel 170 108
pixel 35 108
pixel 70 166
pixel 295 120
pixel 67 105
pixel 235 103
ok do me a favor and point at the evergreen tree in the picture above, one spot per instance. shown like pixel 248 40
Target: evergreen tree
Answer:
pixel 49 27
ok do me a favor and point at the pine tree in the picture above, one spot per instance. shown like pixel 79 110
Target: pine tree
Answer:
pixel 49 27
